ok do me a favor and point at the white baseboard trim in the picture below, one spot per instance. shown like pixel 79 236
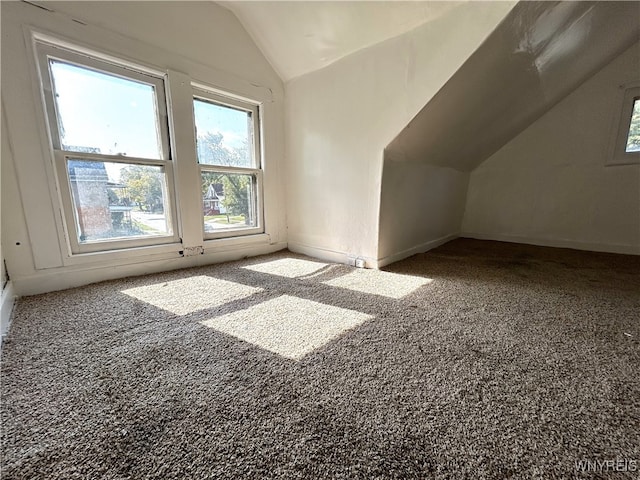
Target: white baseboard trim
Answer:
pixel 558 243
pixel 329 255
pixel 7 303
pixel 423 247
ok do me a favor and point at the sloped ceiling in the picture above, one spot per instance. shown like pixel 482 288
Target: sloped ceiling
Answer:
pixel 300 37
pixel 540 53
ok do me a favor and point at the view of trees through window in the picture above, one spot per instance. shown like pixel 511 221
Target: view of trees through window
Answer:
pixel 113 200
pixel 633 140
pixel 132 197
pixel 109 130
pixel 224 139
pixel 227 197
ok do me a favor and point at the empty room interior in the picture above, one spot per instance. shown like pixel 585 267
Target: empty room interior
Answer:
pixel 308 240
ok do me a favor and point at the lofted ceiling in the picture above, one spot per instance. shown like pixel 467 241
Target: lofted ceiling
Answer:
pixel 304 36
pixel 539 53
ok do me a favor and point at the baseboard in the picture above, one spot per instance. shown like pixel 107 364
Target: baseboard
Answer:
pixel 6 308
pixel 423 247
pixel 329 255
pixel 558 243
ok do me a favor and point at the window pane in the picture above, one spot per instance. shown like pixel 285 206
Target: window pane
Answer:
pixel 633 140
pixel 223 135
pixel 118 201
pixel 228 201
pixel 102 113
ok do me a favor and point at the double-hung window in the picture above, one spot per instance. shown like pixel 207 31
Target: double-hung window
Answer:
pixel 109 133
pixel 110 136
pixel 229 160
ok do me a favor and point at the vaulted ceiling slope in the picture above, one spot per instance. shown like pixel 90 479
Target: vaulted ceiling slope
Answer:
pixel 540 53
pixel 304 36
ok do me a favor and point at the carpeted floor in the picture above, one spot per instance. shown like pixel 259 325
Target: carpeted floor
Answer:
pixel 475 360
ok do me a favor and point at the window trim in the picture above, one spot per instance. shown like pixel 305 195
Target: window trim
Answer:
pixel 618 155
pixel 44 52
pixel 214 97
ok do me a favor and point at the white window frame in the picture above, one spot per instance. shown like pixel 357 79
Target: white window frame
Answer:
pixel 618 155
pixel 175 92
pixel 203 94
pixel 46 51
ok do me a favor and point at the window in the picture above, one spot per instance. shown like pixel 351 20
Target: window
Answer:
pixel 633 137
pixel 111 151
pixel 626 149
pixel 229 161
pixel 110 136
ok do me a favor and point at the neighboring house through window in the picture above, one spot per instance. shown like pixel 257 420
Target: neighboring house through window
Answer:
pixel 110 136
pixel 229 163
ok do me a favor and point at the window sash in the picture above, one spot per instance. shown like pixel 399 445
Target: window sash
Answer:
pixel 46 52
pixel 199 93
pixel 204 94
pixel 256 200
pixel 69 214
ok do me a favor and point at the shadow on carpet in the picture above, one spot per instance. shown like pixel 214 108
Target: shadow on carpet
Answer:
pixel 475 360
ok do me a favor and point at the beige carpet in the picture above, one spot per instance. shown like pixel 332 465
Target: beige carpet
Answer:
pixel 475 360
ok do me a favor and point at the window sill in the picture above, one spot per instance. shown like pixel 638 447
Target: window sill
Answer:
pixel 162 252
pixel 625 159
pixel 110 257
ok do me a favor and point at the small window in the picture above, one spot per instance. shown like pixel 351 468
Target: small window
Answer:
pixel 229 160
pixel 633 138
pixel 110 140
pixel 626 149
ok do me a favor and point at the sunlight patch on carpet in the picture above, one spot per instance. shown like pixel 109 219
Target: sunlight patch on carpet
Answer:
pixel 377 282
pixel 288 267
pixel 289 326
pixel 191 294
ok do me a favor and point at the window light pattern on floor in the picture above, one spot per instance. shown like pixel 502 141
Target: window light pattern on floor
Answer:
pixel 288 267
pixel 191 294
pixel 289 326
pixel 387 284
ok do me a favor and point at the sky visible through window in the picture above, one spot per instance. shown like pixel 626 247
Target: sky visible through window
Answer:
pixel 231 123
pixel 103 113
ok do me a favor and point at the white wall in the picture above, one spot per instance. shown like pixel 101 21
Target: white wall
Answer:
pixel 200 39
pixel 421 207
pixel 550 185
pixel 340 119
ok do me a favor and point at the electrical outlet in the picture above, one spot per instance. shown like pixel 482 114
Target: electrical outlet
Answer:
pixel 360 263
